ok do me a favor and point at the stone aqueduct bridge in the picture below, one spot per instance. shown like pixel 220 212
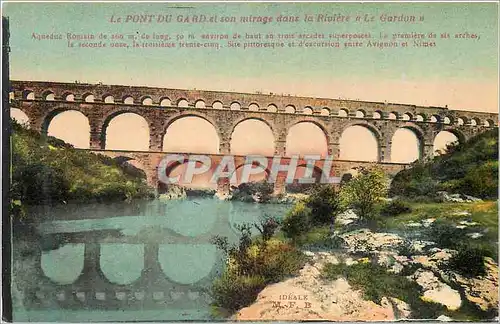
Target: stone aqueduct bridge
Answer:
pixel 160 107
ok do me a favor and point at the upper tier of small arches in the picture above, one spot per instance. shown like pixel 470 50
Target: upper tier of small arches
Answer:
pixel 165 101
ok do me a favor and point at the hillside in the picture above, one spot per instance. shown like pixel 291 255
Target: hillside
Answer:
pixel 46 170
pixel 469 168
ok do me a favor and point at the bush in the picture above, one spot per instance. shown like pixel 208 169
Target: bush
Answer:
pixel 45 170
pixel 251 265
pixel 364 191
pixel 320 238
pixel 325 204
pixel 296 222
pixel 268 227
pixel 276 260
pixel 395 207
pixel 469 261
pixel 37 183
pixel 233 292
pixel 406 249
pixel 482 181
pixel 445 235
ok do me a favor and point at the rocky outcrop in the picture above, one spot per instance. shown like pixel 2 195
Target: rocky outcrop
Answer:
pixel 482 291
pixel 367 241
pixel 437 291
pixel 443 196
pixel 309 297
pixel 347 217
pixel 173 192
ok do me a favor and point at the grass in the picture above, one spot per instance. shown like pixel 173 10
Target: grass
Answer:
pixel 484 213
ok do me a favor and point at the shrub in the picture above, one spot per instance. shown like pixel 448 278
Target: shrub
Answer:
pixel 320 238
pixel 364 191
pixel 395 207
pixel 469 261
pixel 481 181
pixel 445 235
pixel 233 292
pixel 45 170
pixel 325 204
pixel 251 265
pixel 276 260
pixel 268 227
pixel 406 249
pixel 38 183
pixel 296 222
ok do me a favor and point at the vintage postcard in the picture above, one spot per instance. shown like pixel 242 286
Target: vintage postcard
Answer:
pixel 210 161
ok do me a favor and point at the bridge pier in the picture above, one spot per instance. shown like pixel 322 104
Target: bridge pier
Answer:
pixel 385 153
pixel 95 140
pixel 334 150
pixel 427 151
pixel 280 183
pixel 223 187
pixel 280 147
pixel 155 141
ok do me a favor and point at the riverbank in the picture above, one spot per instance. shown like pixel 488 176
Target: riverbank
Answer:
pixel 246 192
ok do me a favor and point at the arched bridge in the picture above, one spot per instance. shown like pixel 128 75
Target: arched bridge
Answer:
pixel 161 107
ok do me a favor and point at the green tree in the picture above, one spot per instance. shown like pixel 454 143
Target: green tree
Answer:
pixel 364 191
pixel 325 204
pixel 296 221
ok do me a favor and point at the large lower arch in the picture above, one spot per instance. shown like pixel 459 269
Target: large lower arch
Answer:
pixel 132 166
pixel 306 138
pixel 19 116
pixel 186 174
pixel 117 132
pixel 252 136
pixel 191 134
pixel 56 124
pixel 445 138
pixel 257 173
pixel 406 146
pixel 359 143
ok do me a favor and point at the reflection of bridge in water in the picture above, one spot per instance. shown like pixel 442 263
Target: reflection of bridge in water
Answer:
pixel 150 261
pixel 93 290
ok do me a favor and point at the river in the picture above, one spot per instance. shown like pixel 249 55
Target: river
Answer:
pixel 146 260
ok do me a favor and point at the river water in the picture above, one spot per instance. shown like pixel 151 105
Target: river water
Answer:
pixel 175 234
